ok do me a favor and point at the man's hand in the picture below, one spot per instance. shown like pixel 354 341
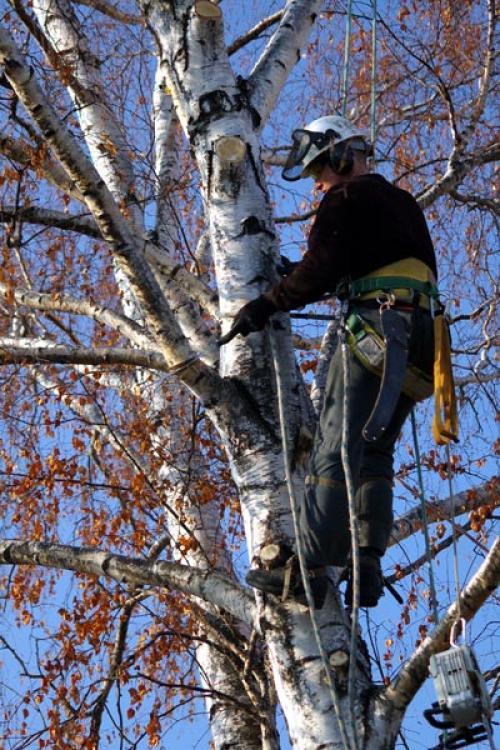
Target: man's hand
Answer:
pixel 252 317
pixel 286 266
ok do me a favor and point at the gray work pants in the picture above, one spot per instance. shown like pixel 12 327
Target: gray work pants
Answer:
pixel 324 514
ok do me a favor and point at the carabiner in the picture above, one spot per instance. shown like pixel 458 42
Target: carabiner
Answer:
pixel 453 634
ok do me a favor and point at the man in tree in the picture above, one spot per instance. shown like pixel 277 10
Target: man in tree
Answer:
pixel 365 229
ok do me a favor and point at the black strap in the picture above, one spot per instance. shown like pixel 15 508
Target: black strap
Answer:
pixel 396 334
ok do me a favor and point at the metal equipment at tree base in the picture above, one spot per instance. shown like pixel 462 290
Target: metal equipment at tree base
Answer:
pixel 459 737
pixel 463 701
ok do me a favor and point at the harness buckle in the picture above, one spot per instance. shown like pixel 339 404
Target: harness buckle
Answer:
pixel 386 300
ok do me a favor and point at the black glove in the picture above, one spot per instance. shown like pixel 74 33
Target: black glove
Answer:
pixel 252 317
pixel 286 266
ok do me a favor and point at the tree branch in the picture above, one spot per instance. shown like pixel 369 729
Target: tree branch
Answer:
pixel 23 153
pixel 63 40
pixel 477 201
pixel 411 522
pixel 82 224
pixel 111 11
pixel 402 691
pixel 109 219
pixel 210 586
pixel 255 32
pixel 416 564
pixel 458 168
pixel 65 304
pixel 170 271
pixel 41 352
pixel 281 54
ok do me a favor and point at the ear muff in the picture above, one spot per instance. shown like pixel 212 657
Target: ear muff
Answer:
pixel 341 158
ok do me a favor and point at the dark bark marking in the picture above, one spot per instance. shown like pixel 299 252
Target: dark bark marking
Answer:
pixel 254 407
pixel 255 170
pixel 253 225
pixel 210 170
pixel 185 39
pixel 245 101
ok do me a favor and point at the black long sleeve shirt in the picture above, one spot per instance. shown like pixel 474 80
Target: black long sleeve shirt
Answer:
pixel 361 225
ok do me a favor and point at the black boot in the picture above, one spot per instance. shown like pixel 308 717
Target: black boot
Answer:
pixel 371 581
pixel 285 581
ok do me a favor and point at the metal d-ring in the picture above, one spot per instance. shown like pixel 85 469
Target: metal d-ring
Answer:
pixel 386 300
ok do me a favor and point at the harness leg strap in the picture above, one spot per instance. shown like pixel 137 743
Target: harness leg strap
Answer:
pixel 396 336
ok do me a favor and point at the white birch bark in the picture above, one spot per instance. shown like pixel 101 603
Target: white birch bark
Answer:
pixel 213 104
pixel 236 196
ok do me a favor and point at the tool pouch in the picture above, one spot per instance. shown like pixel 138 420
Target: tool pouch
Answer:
pixel 445 422
pixel 368 347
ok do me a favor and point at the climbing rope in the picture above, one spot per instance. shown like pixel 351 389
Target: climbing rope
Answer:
pixel 425 524
pixel 354 527
pixel 347 56
pixel 453 532
pixel 373 92
pixel 298 542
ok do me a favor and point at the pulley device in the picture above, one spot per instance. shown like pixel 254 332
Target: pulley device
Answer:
pixel 463 706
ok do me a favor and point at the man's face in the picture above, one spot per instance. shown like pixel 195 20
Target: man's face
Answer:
pixel 326 179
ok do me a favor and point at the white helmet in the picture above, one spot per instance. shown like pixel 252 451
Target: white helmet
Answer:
pixel 319 136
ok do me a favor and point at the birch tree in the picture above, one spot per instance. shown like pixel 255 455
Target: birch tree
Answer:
pixel 143 468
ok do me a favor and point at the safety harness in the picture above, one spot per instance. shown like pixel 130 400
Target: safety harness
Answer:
pixel 386 355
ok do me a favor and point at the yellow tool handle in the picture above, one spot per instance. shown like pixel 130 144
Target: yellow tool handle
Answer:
pixel 445 422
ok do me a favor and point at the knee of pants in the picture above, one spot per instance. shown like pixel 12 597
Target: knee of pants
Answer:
pixel 374 501
pixel 325 523
pixel 378 462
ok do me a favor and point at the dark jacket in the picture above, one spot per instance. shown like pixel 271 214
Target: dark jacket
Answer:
pixel 360 226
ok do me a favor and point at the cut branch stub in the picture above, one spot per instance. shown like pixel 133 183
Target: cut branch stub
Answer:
pixel 230 149
pixel 207 9
pixel 339 660
pixel 272 555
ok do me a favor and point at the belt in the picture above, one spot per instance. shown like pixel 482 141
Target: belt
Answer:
pixel 405 289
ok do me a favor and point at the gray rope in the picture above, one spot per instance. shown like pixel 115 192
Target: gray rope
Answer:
pixel 425 524
pixel 373 103
pixel 347 56
pixel 454 533
pixel 298 542
pixel 353 522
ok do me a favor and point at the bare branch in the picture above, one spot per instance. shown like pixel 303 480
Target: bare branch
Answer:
pixel 415 671
pixel 423 559
pixel 111 11
pixel 475 313
pixel 411 522
pixel 65 304
pixel 82 224
pixel 65 44
pixel 281 54
pixel 211 586
pixel 255 32
pixel 296 217
pixel 169 271
pixel 477 201
pixel 112 224
pixel 477 379
pixel 41 352
pixel 458 168
pixel 29 156
pixel 477 107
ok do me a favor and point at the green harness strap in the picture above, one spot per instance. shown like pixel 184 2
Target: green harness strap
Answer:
pixel 351 289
